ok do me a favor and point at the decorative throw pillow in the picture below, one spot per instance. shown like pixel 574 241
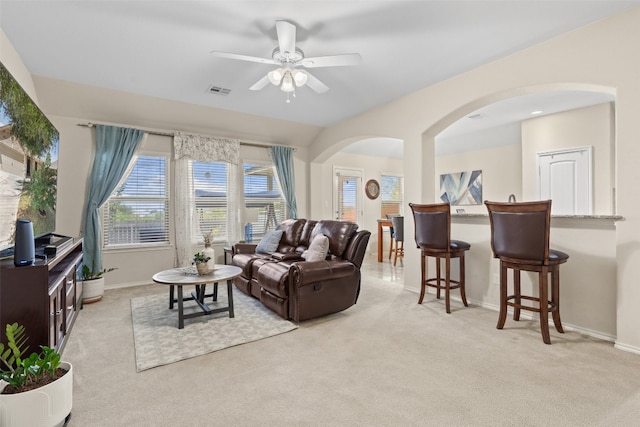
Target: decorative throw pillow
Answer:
pixel 318 248
pixel 269 243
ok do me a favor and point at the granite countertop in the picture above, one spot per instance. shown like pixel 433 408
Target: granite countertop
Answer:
pixel 587 217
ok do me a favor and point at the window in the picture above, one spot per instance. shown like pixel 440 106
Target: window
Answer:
pixel 210 183
pixel 265 206
pixel 137 212
pixel 391 195
pixel 348 195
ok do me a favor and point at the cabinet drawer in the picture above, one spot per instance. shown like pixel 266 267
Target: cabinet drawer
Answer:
pixel 70 296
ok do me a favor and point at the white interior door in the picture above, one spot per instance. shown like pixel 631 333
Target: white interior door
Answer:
pixel 347 195
pixel 565 177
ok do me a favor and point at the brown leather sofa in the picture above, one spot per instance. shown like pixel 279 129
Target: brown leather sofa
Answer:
pixel 298 289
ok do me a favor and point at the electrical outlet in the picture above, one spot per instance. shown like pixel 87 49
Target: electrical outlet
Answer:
pixel 496 278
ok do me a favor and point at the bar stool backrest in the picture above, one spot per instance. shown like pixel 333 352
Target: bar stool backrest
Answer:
pixel 432 226
pixel 520 231
pixel 398 227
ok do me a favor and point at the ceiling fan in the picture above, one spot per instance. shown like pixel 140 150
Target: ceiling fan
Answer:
pixel 288 58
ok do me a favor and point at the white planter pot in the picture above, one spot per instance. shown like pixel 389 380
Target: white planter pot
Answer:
pixel 92 290
pixel 46 406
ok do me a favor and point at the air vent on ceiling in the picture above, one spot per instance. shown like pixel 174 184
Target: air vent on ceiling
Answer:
pixel 476 116
pixel 219 90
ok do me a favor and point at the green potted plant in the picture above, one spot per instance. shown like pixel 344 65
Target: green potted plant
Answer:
pixel 35 390
pixel 200 260
pixel 93 283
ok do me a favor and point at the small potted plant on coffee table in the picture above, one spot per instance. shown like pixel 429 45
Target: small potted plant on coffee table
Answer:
pixel 37 390
pixel 200 260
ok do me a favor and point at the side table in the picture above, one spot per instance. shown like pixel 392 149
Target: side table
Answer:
pixel 228 250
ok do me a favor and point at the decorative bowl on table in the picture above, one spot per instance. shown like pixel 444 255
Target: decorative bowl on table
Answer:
pixel 203 269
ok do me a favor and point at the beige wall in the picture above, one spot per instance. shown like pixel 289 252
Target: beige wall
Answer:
pixel 591 244
pixel 372 168
pixel 591 126
pixel 501 172
pixel 597 57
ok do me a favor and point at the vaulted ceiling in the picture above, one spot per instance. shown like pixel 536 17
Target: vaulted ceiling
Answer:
pixel 162 48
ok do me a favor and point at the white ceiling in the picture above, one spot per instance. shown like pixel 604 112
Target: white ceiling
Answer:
pixel 162 48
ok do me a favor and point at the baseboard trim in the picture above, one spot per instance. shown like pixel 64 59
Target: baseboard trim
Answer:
pixel 530 316
pixel 627 348
pixel 127 285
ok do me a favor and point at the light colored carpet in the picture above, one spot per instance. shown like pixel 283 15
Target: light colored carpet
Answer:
pixel 386 361
pixel 158 341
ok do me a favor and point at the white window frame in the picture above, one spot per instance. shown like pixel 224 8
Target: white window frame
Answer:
pixel 167 201
pixel 382 192
pixel 263 222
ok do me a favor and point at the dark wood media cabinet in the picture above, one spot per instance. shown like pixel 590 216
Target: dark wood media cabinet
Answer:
pixel 44 297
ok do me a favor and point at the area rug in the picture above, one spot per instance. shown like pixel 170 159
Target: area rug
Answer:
pixel 158 341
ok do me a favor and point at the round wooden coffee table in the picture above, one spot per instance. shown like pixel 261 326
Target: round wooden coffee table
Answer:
pixel 188 276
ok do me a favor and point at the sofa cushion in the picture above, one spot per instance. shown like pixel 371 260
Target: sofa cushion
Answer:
pixel 338 232
pixel 307 230
pixel 269 243
pixel 318 248
pixel 245 261
pixel 292 231
pixel 273 277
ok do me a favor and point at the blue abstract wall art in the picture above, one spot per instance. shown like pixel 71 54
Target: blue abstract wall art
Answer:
pixel 462 188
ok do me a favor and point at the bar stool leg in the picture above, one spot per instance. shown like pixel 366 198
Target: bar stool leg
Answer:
pixel 544 305
pixel 438 277
pixel 447 282
pixel 503 296
pixel 463 293
pixel 395 255
pixel 555 297
pixel 423 275
pixel 516 292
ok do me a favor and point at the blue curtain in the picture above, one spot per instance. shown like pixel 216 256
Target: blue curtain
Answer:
pixel 283 161
pixel 115 148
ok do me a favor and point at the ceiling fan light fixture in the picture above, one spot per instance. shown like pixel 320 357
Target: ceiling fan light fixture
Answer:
pixel 299 77
pixel 287 83
pixel 275 76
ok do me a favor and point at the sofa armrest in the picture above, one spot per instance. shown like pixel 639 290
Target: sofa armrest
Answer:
pixel 307 273
pixel 287 256
pixel 244 248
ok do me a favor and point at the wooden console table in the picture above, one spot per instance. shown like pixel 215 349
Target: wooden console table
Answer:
pixel 44 297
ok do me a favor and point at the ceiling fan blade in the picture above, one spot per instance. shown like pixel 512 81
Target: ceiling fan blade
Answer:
pixel 242 57
pixel 286 36
pixel 316 84
pixel 260 84
pixel 331 60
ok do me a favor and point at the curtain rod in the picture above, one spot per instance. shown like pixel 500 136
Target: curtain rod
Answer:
pixel 151 132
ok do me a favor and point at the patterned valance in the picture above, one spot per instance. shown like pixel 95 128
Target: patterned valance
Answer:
pixel 206 148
